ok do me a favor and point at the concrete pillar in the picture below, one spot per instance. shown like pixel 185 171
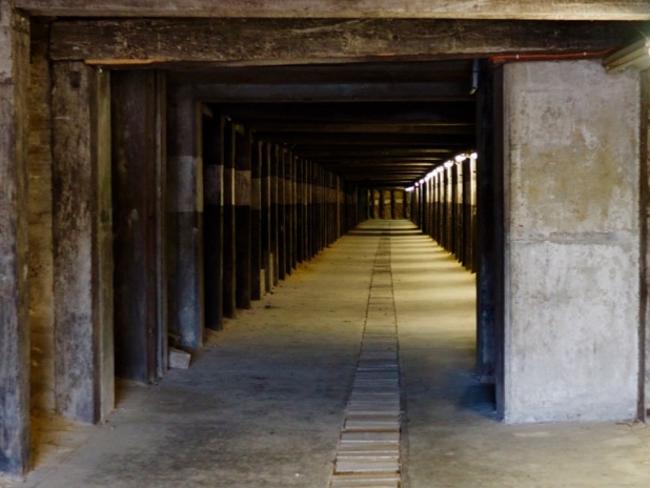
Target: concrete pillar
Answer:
pixel 82 242
pixel 229 233
pixel 140 304
pixel 267 209
pixel 275 212
pixel 243 145
pixel 257 273
pixel 290 209
pixel 282 214
pixel 213 212
pixel 572 213
pixel 185 218
pixel 14 326
pixel 489 230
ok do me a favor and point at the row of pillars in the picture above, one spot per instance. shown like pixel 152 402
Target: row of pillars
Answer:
pixel 444 206
pixel 166 218
pixel 386 204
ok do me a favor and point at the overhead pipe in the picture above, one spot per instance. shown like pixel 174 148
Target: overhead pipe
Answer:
pixel 509 58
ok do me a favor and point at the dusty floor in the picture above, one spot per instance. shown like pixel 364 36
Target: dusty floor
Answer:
pixel 263 404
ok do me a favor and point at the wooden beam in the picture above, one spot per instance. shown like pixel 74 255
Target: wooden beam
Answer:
pixel 82 242
pixel 452 9
pixel 334 92
pixel 297 41
pixel 140 306
pixel 404 111
pixel 366 128
pixel 305 139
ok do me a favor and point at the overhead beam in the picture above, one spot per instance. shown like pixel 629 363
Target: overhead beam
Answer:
pixel 385 139
pixel 369 72
pixel 370 152
pixel 365 128
pixel 297 41
pixel 451 9
pixel 414 111
pixel 334 92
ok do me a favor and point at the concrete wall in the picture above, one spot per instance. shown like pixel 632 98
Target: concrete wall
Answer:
pixel 572 242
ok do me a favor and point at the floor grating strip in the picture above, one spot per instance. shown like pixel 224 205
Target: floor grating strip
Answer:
pixel 368 452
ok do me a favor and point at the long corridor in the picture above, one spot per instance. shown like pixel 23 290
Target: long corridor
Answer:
pixel 263 405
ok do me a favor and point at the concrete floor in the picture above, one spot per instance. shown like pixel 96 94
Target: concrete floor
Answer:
pixel 262 405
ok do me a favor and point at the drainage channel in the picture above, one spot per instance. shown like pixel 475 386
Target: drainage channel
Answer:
pixel 368 453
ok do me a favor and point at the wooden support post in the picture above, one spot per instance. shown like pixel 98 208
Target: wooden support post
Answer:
pixel 300 254
pixel 274 166
pixel 185 219
pixel 290 207
pixel 282 214
pixel 213 181
pixel 14 304
pixel 243 144
pixel 267 208
pixel 489 194
pixel 257 279
pixel 82 242
pixel 229 234
pixel 138 101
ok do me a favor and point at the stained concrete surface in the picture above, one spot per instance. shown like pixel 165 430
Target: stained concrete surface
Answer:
pixel 454 438
pixel 263 404
pixel 572 242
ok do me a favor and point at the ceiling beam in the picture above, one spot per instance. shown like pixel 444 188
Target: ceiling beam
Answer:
pixel 404 111
pixel 299 140
pixel 129 42
pixel 334 92
pixel 364 128
pixel 450 9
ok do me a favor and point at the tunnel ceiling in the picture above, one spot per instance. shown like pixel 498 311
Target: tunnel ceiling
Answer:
pixel 377 124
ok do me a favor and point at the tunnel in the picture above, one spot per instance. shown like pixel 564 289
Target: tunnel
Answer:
pixel 330 245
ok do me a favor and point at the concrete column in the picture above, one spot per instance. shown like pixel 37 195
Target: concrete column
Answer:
pixel 185 219
pixel 489 231
pixel 282 214
pixel 138 135
pixel 257 273
pixel 275 212
pixel 213 213
pixel 572 328
pixel 267 208
pixel 82 242
pixel 14 325
pixel 229 233
pixel 243 144
pixel 290 208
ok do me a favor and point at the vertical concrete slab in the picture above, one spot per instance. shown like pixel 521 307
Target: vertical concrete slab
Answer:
pixel 572 242
pixel 82 241
pixel 185 217
pixel 14 325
